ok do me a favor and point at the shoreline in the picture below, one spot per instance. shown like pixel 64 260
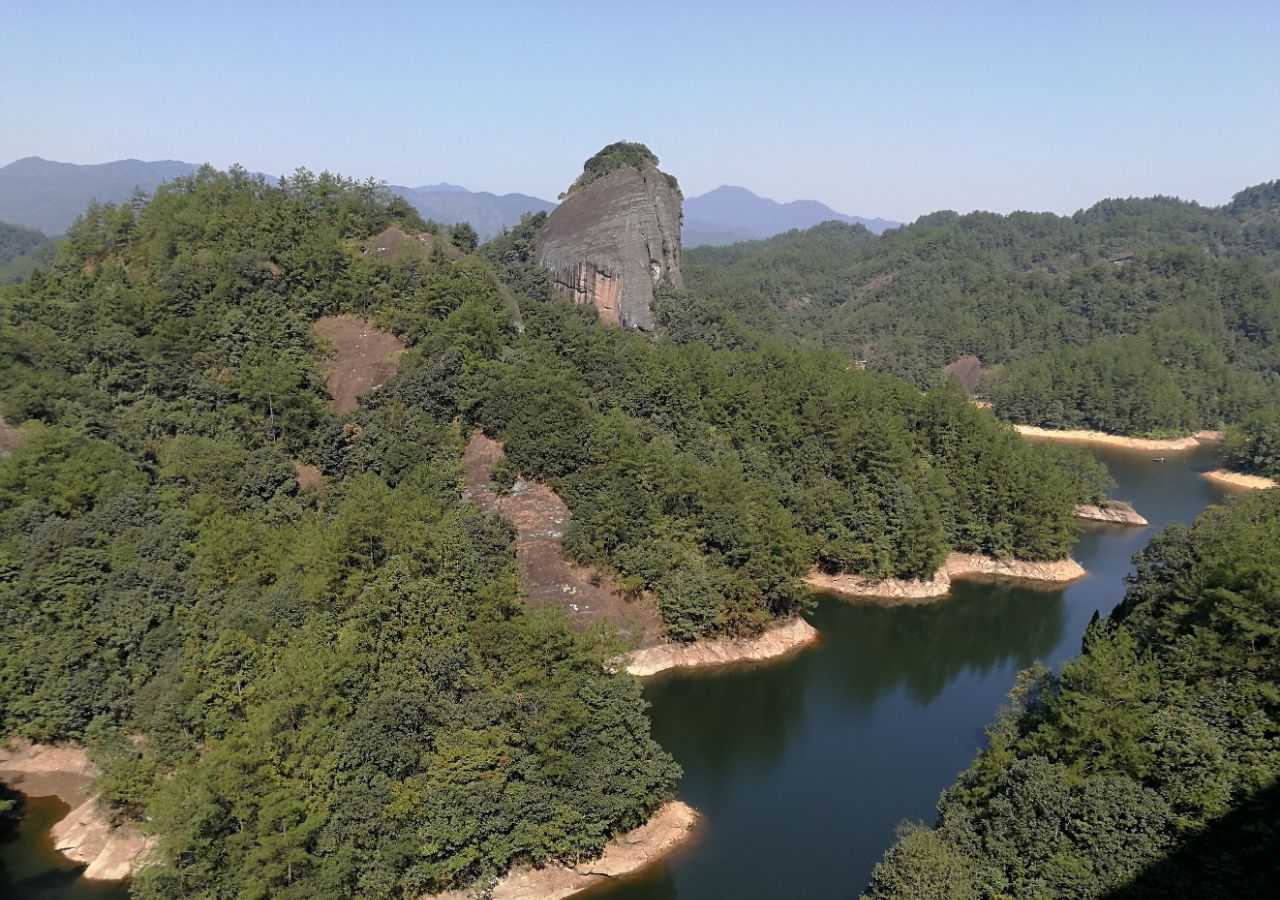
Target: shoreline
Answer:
pixel 669 828
pixel 1102 438
pixel 86 835
pixel 957 567
pixel 1240 480
pixel 773 643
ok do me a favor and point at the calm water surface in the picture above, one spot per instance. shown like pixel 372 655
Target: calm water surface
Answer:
pixel 803 768
pixel 33 870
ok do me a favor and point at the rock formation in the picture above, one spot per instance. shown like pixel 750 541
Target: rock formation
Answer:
pixel 616 236
pixel 1115 512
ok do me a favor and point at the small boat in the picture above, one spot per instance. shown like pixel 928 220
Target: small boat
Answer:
pixel 1158 458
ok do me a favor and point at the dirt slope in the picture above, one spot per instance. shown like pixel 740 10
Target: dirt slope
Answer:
pixel 547 577
pixel 364 358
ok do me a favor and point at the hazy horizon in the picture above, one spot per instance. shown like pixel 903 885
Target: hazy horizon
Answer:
pixel 873 112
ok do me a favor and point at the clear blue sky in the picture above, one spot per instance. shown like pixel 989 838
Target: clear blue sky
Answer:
pixel 884 108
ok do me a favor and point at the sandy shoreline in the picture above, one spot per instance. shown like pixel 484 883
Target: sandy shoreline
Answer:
pixel 1240 480
pixel 1153 445
pixel 86 835
pixel 671 826
pixel 957 566
pixel 776 642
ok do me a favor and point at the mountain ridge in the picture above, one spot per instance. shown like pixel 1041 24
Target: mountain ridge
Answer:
pixel 731 213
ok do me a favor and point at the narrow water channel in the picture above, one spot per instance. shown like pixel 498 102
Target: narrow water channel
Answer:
pixel 803 768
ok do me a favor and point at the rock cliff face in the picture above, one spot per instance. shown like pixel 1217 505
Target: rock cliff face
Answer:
pixel 615 238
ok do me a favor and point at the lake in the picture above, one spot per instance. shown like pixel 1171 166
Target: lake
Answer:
pixel 803 768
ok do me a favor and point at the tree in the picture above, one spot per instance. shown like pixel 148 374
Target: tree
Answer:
pixel 464 237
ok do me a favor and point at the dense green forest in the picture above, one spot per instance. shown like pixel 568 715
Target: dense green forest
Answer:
pixel 307 694
pixel 336 691
pixel 1253 446
pixel 17 241
pixel 1149 767
pixel 1134 316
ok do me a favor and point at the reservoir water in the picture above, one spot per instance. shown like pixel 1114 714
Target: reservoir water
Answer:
pixel 803 768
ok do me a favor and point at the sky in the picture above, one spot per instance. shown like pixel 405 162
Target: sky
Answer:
pixel 889 109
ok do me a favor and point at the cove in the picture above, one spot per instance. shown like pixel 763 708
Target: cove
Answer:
pixel 802 769
pixel 34 870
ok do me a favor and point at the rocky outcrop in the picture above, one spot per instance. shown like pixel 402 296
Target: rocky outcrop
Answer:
pixel 957 566
pixel 1115 512
pixel 774 643
pixel 86 834
pixel 616 237
pixel 669 827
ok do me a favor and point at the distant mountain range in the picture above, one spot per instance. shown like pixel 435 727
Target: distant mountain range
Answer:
pixel 731 214
pixel 487 213
pixel 39 193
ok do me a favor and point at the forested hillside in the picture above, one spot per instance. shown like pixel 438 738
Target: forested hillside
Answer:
pixel 1134 316
pixel 22 251
pixel 335 690
pixel 1149 766
pixel 322 693
pixel 16 241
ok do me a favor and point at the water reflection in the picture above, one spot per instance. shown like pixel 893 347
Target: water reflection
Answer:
pixel 804 768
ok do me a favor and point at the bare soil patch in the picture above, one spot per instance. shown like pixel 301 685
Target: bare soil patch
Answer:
pixel 364 358
pixel 967 370
pixel 310 478
pixel 11 438
pixel 547 577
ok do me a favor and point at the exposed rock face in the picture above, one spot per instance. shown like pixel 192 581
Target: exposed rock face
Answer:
pixel 1116 512
pixel 614 240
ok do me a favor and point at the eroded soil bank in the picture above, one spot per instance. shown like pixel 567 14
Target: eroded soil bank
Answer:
pixel 86 835
pixel 1240 480
pixel 672 825
pixel 956 566
pixel 547 576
